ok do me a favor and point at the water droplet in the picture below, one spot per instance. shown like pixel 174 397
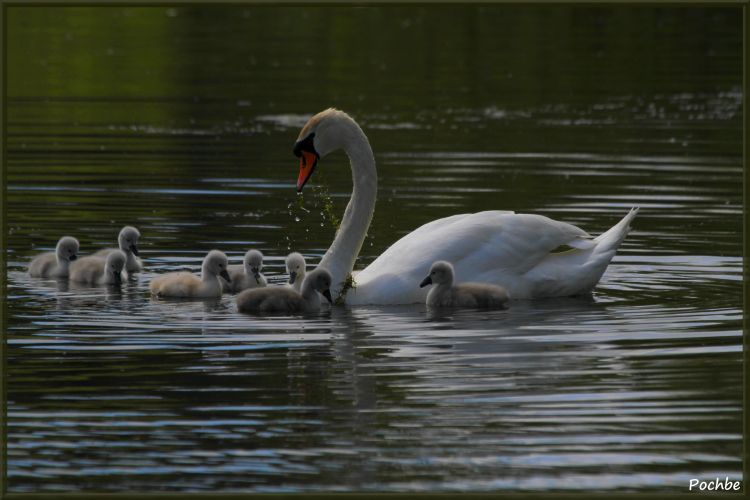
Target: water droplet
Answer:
pixel 296 219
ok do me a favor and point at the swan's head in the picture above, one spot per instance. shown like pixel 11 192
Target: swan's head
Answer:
pixel 441 273
pixel 254 263
pixel 67 249
pixel 295 266
pixel 324 133
pixel 215 264
pixel 320 281
pixel 114 265
pixel 128 239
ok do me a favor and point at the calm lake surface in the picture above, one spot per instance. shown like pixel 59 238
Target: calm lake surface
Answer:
pixel 181 121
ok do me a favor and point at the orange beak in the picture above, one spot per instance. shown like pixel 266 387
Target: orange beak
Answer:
pixel 307 164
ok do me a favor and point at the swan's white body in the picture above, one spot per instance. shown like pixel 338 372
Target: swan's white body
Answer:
pixel 501 248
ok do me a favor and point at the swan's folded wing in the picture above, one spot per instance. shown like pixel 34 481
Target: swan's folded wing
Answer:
pixel 477 243
pixel 519 242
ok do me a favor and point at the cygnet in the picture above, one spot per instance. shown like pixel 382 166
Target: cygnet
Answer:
pixel 185 284
pixel 472 295
pixel 283 299
pixel 55 264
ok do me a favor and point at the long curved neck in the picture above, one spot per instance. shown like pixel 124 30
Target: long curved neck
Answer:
pixel 131 259
pixel 207 276
pixel 341 255
pixel 62 264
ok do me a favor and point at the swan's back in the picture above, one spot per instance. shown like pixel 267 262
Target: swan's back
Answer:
pixel 182 284
pixel 480 295
pixel 279 299
pixel 103 252
pixel 43 265
pixel 87 269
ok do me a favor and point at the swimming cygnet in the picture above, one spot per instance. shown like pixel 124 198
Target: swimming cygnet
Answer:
pixel 283 299
pixel 474 295
pixel 55 264
pixel 99 270
pixel 128 242
pixel 185 284
pixel 246 275
pixel 296 267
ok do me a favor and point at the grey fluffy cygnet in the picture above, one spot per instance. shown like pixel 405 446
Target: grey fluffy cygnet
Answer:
pixel 55 264
pixel 283 299
pixel 185 284
pixel 128 243
pixel 470 295
pixel 296 267
pixel 96 270
pixel 246 275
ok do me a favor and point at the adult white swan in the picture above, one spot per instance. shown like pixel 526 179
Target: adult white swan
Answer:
pixel 512 250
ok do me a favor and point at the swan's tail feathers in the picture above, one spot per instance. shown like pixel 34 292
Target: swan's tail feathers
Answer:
pixel 611 239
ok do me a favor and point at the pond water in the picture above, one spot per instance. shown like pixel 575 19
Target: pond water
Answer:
pixel 181 121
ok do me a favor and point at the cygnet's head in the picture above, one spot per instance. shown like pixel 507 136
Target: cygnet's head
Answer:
pixel 215 264
pixel 320 280
pixel 441 273
pixel 295 266
pixel 114 264
pixel 253 263
pixel 128 239
pixel 67 249
pixel 324 133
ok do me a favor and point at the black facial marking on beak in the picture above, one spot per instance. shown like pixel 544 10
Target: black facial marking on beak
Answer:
pixel 327 295
pixel 305 144
pixel 134 249
pixel 224 274
pixel 425 282
pixel 292 277
pixel 72 257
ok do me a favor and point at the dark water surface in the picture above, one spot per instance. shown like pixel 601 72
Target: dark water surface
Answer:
pixel 181 122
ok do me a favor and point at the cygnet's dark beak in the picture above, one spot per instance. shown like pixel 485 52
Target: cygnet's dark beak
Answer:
pixel 117 275
pixel 327 295
pixel 72 257
pixel 134 249
pixel 292 277
pixel 256 273
pixel 425 282
pixel 224 274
